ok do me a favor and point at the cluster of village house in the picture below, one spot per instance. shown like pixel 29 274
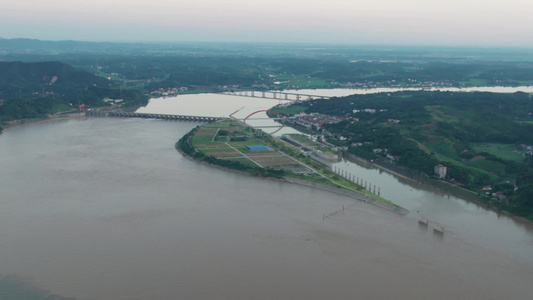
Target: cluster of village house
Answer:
pixel 113 101
pixel 318 120
pixel 391 83
pixel 441 170
pixel 527 149
pixel 168 91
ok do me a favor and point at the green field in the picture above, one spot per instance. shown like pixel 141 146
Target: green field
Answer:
pixel 474 82
pixel 215 152
pixel 303 139
pixel 503 151
pixel 199 140
pixel 327 150
pixel 300 81
pixel 445 114
pixel 245 161
pixel 445 152
pixel 443 148
pixel 489 165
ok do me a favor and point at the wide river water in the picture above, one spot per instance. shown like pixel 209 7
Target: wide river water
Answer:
pixel 104 208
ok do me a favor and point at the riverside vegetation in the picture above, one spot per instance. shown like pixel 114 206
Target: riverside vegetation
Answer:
pixel 484 139
pixel 224 144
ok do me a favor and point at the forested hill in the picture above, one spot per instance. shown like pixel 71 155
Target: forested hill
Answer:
pixel 17 78
pixel 484 139
pixel 33 90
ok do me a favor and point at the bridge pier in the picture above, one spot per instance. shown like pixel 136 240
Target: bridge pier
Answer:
pixel 150 116
pixel 274 95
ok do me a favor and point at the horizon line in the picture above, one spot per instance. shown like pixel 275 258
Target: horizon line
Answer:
pixel 314 43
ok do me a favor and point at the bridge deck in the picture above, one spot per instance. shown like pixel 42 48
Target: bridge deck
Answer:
pixel 151 116
pixel 275 95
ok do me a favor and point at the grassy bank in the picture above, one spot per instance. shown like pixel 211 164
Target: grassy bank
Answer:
pixel 228 144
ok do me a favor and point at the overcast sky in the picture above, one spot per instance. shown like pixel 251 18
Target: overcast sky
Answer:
pixel 454 22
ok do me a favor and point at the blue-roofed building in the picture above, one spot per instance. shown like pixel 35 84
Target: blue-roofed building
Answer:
pixel 256 147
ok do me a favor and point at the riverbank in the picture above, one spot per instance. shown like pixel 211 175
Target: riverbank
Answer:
pixel 24 122
pixel 340 191
pixel 436 186
pixel 225 145
pixel 352 194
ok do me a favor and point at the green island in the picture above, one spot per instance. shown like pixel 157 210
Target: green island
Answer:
pixel 477 145
pixel 233 145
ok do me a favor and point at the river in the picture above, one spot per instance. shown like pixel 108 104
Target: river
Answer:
pixel 219 105
pixel 103 208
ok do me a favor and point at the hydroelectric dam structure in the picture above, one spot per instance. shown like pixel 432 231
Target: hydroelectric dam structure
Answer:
pixel 119 114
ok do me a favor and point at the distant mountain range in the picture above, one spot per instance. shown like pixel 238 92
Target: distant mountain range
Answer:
pixel 31 45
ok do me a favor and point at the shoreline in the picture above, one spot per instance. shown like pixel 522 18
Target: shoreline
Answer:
pixel 340 191
pixel 432 188
pixel 69 116
pixel 352 194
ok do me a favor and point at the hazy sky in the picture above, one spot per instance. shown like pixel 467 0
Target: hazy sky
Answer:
pixel 457 22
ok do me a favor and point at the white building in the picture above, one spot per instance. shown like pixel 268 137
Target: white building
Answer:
pixel 440 171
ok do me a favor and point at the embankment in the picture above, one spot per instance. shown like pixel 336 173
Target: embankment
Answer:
pixel 340 191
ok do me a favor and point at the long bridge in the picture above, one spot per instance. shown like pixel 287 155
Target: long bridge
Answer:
pixel 276 95
pixel 151 116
